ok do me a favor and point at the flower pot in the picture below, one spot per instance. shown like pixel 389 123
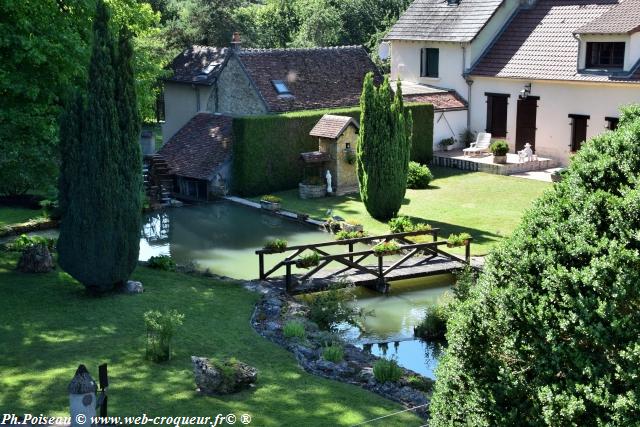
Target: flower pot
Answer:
pixel 306 265
pixel 270 206
pixel 350 228
pixel 387 253
pixel 501 160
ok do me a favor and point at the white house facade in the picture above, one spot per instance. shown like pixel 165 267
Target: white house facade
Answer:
pixel 551 73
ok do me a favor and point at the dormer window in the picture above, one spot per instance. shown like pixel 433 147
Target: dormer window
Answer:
pixel 605 55
pixel 280 87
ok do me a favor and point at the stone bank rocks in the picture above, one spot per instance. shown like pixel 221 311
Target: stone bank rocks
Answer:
pixel 133 287
pixel 36 259
pixel 215 377
pixel 276 308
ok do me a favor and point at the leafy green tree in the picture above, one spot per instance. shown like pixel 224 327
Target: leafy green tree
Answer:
pixel 100 183
pixel 320 24
pixel 549 333
pixel 384 146
pixel 205 22
pixel 277 23
pixel 42 55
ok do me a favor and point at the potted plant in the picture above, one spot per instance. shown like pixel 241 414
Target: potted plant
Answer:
pixel 455 240
pixel 350 155
pixel 467 136
pixel 350 225
pixel 447 144
pixel 275 246
pixel 347 235
pixel 270 203
pixel 499 148
pixel 308 261
pixel 386 248
pixel 312 187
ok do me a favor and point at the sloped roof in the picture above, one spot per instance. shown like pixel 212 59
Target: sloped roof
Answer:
pixel 621 19
pixel 317 78
pixel 315 157
pixel 330 126
pixel 436 20
pixel 198 64
pixel 200 146
pixel 441 101
pixel 539 44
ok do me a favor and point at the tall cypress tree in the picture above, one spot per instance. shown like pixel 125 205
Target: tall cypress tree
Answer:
pixel 100 194
pixel 384 146
pixel 129 153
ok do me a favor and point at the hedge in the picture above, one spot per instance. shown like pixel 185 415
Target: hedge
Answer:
pixel 548 335
pixel 266 149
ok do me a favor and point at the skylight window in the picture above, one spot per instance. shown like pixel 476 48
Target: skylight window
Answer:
pixel 281 87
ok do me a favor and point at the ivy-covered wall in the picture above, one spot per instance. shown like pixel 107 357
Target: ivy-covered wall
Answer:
pixel 266 149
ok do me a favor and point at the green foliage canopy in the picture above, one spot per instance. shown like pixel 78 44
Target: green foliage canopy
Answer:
pixel 549 333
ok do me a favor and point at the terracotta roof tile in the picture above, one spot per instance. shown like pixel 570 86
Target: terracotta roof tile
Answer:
pixel 441 101
pixel 200 146
pixel 539 44
pixel 198 64
pixel 330 126
pixel 436 20
pixel 317 78
pixel 621 19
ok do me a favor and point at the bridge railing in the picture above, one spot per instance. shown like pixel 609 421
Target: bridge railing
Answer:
pixel 353 260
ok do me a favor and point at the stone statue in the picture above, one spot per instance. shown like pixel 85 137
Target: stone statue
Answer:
pixel 528 152
pixel 328 176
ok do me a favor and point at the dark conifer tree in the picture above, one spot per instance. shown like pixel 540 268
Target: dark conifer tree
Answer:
pixel 100 182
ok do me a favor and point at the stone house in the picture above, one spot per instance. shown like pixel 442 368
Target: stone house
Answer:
pixel 551 73
pixel 208 83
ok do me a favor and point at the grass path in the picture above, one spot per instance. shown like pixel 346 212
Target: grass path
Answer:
pixel 487 206
pixel 14 215
pixel 48 326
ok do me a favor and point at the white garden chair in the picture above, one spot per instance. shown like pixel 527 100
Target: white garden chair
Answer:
pixel 483 141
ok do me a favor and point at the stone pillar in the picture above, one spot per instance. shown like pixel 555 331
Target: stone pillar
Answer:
pixel 82 398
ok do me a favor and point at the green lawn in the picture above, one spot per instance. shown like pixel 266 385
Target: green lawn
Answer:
pixel 13 215
pixel 48 325
pixel 486 206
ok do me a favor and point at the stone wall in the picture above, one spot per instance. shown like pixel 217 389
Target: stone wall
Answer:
pixel 311 191
pixel 236 95
pixel 345 179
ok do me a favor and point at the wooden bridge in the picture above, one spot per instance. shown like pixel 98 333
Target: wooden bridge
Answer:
pixel 356 268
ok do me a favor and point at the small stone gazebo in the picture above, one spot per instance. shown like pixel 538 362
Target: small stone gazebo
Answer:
pixel 337 136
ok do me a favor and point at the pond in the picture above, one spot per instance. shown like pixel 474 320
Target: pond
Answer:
pixel 389 331
pixel 221 236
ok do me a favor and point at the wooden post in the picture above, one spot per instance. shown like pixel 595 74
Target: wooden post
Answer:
pixel 467 252
pixel 287 280
pixel 261 262
pixel 351 250
pixel 435 235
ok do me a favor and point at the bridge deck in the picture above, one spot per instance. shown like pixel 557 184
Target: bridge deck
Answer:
pixel 413 268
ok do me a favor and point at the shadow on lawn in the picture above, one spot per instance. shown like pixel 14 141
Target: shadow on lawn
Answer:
pixel 50 326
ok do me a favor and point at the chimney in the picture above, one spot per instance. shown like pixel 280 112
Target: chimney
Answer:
pixel 236 43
